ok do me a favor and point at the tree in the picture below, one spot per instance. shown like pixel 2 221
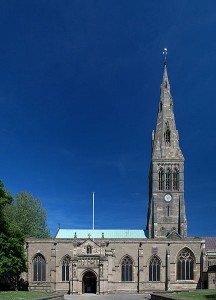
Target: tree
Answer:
pixel 12 255
pixel 28 215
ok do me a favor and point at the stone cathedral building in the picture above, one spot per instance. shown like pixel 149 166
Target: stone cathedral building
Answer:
pixel 161 257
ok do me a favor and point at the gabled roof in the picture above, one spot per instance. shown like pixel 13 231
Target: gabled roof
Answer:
pixel 100 233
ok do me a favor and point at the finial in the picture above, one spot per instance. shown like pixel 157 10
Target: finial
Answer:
pixel 165 54
pixel 59 226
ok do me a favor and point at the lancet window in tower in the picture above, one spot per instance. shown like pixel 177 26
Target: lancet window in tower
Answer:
pixel 176 179
pixel 161 179
pixel 185 265
pixel 168 179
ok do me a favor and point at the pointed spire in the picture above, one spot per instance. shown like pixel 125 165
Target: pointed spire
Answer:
pixel 165 81
pixel 165 137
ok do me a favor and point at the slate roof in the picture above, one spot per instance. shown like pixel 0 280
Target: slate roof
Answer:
pixel 101 233
pixel 210 243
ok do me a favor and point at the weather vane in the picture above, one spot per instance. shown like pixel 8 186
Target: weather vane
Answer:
pixel 165 54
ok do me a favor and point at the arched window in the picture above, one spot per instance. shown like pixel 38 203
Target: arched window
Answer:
pixel 39 268
pixel 89 249
pixel 185 265
pixel 154 269
pixel 168 179
pixel 167 134
pixel 65 268
pixel 160 179
pixel 127 270
pixel 176 179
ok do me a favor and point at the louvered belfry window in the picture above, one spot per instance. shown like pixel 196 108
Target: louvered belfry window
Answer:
pixel 160 179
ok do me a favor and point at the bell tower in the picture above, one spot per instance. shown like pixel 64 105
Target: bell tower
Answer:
pixel 166 209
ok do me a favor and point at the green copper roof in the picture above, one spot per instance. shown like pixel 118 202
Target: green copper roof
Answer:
pixel 100 233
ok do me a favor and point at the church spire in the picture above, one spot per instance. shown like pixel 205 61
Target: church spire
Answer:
pixel 166 211
pixel 165 141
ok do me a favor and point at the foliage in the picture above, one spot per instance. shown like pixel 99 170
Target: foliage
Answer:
pixel 12 256
pixel 28 214
pixel 201 295
pixel 22 295
pixel 5 199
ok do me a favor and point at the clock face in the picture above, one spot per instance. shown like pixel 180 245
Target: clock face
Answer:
pixel 168 197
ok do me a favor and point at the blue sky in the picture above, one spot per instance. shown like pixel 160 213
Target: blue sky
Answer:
pixel 79 91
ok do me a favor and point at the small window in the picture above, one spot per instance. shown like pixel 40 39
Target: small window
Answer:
pixel 89 250
pixel 168 210
pixel 39 266
pixel 65 268
pixel 154 269
pixel 167 136
pixel 127 265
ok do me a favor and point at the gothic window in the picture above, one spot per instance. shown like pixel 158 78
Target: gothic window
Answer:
pixel 65 268
pixel 154 269
pixel 168 179
pixel 185 265
pixel 160 179
pixel 167 134
pixel 176 179
pixel 39 268
pixel 89 250
pixel 127 269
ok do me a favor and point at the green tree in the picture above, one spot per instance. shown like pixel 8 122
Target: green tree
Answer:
pixel 12 255
pixel 28 215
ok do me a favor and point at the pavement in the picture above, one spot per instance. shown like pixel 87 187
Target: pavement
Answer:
pixel 108 297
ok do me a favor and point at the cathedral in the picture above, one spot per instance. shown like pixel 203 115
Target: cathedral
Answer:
pixel 159 258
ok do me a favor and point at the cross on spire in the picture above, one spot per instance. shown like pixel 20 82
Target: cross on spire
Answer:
pixel 165 54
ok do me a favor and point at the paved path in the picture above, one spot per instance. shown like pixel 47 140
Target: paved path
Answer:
pixel 108 297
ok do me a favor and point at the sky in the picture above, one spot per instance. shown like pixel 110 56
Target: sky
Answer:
pixel 79 92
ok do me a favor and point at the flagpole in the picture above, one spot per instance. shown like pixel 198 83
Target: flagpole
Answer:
pixel 93 216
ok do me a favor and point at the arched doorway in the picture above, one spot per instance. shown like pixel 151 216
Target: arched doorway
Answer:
pixel 89 283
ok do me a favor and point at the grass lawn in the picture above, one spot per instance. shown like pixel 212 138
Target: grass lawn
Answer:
pixel 22 295
pixel 203 295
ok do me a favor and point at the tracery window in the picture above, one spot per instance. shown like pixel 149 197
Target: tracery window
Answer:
pixel 168 179
pixel 154 269
pixel 160 179
pixel 127 269
pixel 65 268
pixel 185 265
pixel 176 179
pixel 39 268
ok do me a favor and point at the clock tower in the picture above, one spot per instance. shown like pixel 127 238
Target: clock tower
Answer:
pixel 166 210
